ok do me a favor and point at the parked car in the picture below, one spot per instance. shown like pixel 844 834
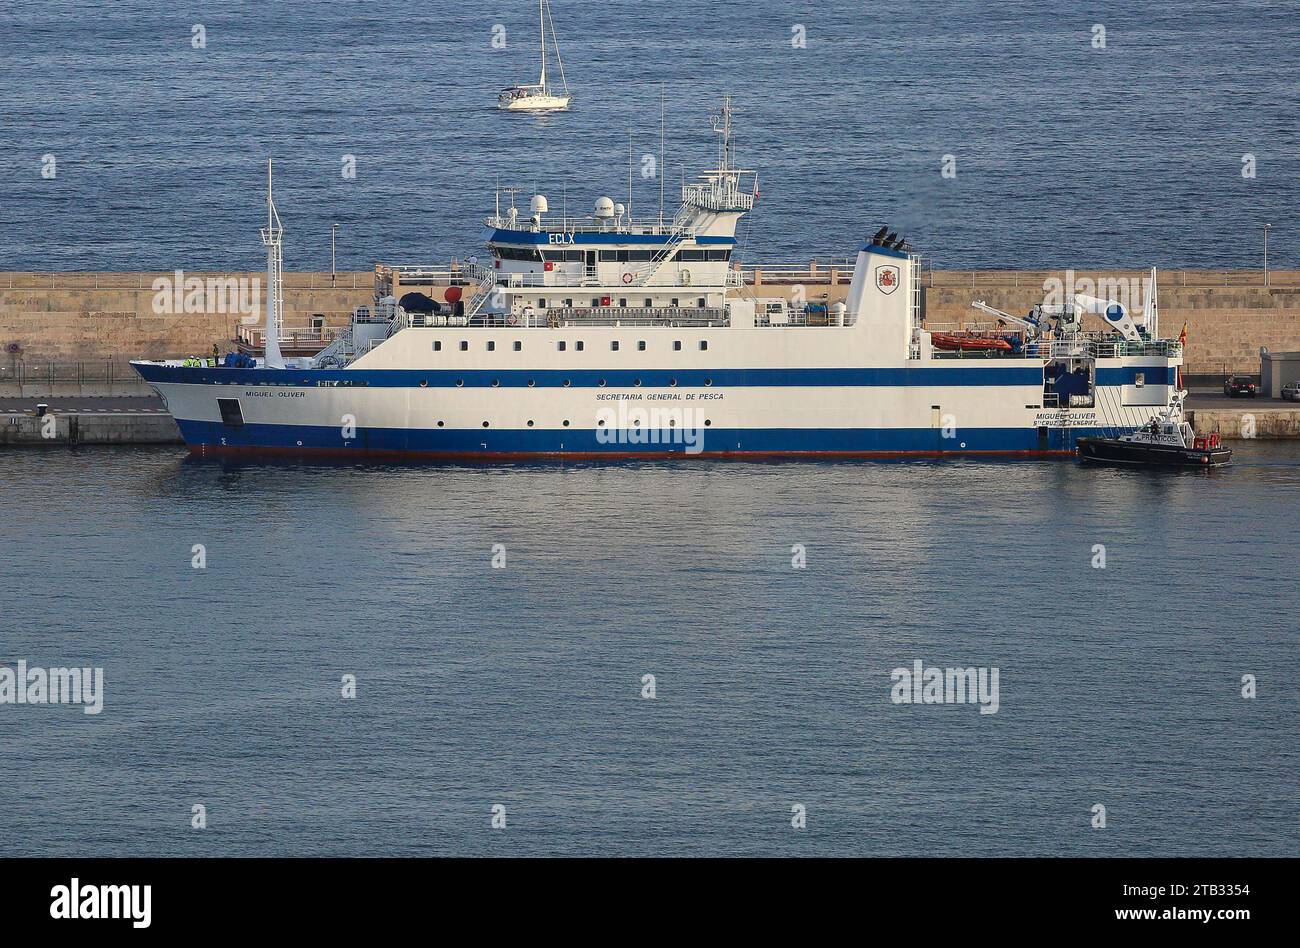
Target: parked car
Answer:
pixel 1291 391
pixel 1239 385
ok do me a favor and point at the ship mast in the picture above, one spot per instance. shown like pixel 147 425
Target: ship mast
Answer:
pixel 273 240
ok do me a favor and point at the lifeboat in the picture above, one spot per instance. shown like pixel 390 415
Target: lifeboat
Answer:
pixel 963 341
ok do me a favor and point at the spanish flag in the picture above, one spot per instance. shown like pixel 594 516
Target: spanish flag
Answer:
pixel 1182 336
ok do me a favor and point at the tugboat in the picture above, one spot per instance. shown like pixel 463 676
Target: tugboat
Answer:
pixel 1166 441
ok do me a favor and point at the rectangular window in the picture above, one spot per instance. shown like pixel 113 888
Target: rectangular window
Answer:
pixel 541 302
pixel 641 346
pixel 704 344
pixel 579 345
pixel 720 255
pixel 518 345
pixel 573 256
pixel 437 345
pixel 560 345
pixel 674 302
pixel 1140 379
pixel 608 256
pixel 649 302
pixel 614 345
pixel 464 345
pixel 492 346
pixel 569 303
pixel 677 345
pixel 622 301
pixel 595 301
pixel 701 302
pixel 231 414
pixel 640 256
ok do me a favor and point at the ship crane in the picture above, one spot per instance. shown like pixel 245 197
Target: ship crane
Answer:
pixel 1029 323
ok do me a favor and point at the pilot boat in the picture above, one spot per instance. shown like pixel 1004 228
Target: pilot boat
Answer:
pixel 1166 441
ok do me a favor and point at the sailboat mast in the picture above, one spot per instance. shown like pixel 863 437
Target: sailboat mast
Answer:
pixel 541 22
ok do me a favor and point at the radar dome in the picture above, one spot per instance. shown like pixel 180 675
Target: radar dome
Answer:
pixel 604 207
pixel 539 205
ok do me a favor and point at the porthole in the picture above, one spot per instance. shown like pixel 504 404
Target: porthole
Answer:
pixel 530 422
pixel 440 424
pixel 600 422
pixel 601 383
pixel 485 424
pixel 531 383
pixel 672 383
pixel 637 383
pixel 496 383
pixel 708 381
pixel 566 422
pixel 459 382
pixel 424 383
pixel 707 422
pixel 566 383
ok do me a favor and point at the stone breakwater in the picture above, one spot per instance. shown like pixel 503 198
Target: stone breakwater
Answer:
pixel 97 317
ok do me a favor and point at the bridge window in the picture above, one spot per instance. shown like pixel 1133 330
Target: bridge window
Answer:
pixel 573 256
pixel 640 256
pixel 719 255
pixel 691 256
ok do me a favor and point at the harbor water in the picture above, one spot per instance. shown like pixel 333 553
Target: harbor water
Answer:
pixel 523 685
pixel 1121 135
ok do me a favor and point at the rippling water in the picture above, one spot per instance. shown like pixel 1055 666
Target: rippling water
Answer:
pixel 1065 154
pixel 522 686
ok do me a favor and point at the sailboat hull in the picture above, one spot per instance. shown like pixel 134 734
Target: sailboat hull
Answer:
pixel 537 103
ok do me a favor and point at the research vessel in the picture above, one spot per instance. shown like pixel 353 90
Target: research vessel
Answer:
pixel 619 336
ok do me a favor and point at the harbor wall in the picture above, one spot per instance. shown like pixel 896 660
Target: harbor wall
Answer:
pixel 76 317
pixel 69 430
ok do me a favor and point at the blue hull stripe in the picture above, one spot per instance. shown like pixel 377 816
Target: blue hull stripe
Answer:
pixel 585 441
pixel 592 378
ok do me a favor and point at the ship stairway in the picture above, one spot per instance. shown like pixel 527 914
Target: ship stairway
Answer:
pixel 487 283
pixel 681 230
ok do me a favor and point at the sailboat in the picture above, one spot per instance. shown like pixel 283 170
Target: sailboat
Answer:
pixel 539 97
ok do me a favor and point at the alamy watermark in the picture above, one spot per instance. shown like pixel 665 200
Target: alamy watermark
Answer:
pixel 215 294
pixel 682 425
pixel 36 685
pixel 923 684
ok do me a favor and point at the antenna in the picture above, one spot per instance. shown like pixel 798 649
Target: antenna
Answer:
pixel 629 175
pixel 661 155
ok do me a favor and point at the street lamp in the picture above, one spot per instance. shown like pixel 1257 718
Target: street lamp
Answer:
pixel 1267 228
pixel 333 272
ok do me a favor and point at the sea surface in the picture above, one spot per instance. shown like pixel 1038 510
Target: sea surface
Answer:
pixel 1066 154
pixel 523 686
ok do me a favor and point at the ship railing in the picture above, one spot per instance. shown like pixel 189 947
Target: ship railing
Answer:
pixel 582 225
pixel 253 338
pixel 565 316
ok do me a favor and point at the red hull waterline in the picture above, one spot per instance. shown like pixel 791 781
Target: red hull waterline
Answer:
pixel 209 450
